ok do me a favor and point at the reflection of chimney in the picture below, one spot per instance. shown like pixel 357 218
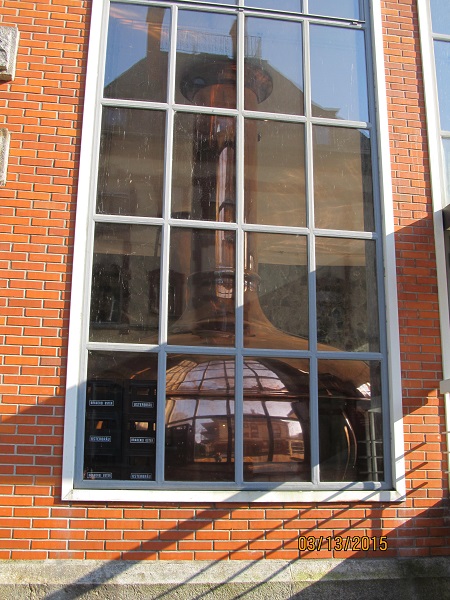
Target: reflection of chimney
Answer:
pixel 155 33
pixel 213 83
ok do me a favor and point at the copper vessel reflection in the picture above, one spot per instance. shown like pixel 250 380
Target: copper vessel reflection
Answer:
pixel 200 406
pixel 200 412
pixel 200 390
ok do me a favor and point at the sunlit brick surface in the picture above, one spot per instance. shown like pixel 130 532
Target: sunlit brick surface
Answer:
pixel 42 108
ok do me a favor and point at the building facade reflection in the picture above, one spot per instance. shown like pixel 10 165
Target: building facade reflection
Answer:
pixel 277 396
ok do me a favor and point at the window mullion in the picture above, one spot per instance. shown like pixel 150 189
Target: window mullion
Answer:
pixel 240 258
pixel 165 251
pixel 313 375
pixel 167 184
pixel 380 283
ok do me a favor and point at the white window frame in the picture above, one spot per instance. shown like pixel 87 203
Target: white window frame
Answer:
pixel 438 192
pixel 73 435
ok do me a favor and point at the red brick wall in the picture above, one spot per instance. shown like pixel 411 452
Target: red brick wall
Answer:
pixel 42 108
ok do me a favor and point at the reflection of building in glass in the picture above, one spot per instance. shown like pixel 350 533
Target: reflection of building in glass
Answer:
pixel 275 409
pixel 343 184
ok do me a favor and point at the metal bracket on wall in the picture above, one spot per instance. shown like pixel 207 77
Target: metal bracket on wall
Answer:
pixel 4 152
pixel 9 43
pixel 446 214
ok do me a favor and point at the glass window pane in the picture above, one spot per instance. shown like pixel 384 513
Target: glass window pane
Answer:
pixel 276 292
pixel 350 421
pixel 440 16
pixel 446 152
pixel 442 55
pixel 204 169
pixel 125 284
pixel 137 53
pixel 346 9
pixel 290 5
pixel 206 59
pixel 131 163
pixel 338 73
pixel 274 172
pixel 347 306
pixel 273 66
pixel 120 423
pixel 343 192
pixel 202 287
pixel 200 418
pixel 276 420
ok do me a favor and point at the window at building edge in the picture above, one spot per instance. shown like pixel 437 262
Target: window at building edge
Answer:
pixel 435 42
pixel 241 357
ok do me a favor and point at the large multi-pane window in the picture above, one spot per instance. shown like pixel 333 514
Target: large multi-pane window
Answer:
pixel 233 334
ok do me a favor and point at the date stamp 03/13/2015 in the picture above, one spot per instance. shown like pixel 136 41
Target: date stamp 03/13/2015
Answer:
pixel 342 543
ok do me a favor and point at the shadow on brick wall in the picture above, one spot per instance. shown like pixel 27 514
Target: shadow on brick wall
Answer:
pixel 388 578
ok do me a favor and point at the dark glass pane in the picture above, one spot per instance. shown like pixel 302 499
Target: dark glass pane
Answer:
pixel 442 55
pixel 338 73
pixel 131 164
pixel 289 5
pixel 343 193
pixel 275 173
pixel 276 292
pixel 276 419
pixel 273 66
pixel 440 16
pixel 350 421
pixel 206 59
pixel 347 9
pixel 204 169
pixel 347 305
pixel 120 425
pixel 125 284
pixel 200 418
pixel 202 287
pixel 137 53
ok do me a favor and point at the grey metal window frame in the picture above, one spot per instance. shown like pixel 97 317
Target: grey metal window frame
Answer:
pixel 74 487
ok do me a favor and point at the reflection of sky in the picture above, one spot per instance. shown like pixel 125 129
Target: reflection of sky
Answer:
pixel 440 16
pixel 338 71
pixel 346 9
pixel 295 429
pixel 442 55
pixel 212 407
pixel 275 409
pixel 281 46
pixel 127 38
